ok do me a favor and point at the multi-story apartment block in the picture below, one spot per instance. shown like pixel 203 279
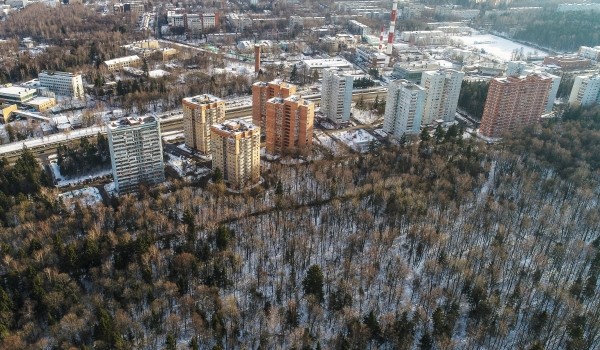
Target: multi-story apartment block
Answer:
pixel 136 153
pixel 262 92
pixel 591 53
pixel 289 124
pixel 336 95
pixel 62 83
pixel 442 92
pixel 236 152
pixel 199 113
pixel 585 91
pixel 513 103
pixel 403 108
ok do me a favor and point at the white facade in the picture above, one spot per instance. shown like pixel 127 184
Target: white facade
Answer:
pixel 403 108
pixel 62 83
pixel 136 153
pixel 553 90
pixel 336 98
pixel 586 90
pixel 591 53
pixel 442 92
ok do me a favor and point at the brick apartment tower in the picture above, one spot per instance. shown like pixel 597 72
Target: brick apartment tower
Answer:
pixel 289 124
pixel 513 103
pixel 199 113
pixel 262 92
pixel 236 152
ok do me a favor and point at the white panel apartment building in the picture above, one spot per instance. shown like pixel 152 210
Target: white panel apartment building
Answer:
pixel 404 108
pixel 62 83
pixel 586 90
pixel 336 95
pixel 136 153
pixel 442 92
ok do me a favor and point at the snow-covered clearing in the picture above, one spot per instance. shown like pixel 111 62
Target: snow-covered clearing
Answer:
pixel 365 117
pixel 85 196
pixel 63 181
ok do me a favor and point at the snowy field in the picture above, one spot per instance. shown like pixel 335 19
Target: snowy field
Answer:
pixel 85 196
pixel 327 142
pixel 63 181
pixel 497 46
pixel 359 140
pixel 365 117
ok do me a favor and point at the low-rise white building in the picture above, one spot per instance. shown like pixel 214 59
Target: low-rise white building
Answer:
pixel 591 53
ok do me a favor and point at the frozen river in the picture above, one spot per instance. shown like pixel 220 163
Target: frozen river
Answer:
pixel 497 46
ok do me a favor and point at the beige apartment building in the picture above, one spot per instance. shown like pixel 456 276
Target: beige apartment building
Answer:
pixel 199 113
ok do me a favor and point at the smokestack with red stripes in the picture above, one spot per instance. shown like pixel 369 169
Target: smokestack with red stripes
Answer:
pixel 381 40
pixel 390 44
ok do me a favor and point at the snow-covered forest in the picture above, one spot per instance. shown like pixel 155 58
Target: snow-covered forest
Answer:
pixel 440 244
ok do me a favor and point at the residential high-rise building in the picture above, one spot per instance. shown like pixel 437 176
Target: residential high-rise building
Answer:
pixel 262 92
pixel 136 153
pixel 514 102
pixel 336 95
pixel 199 113
pixel 403 108
pixel 441 97
pixel 236 152
pixel 289 124
pixel 62 83
pixel 586 90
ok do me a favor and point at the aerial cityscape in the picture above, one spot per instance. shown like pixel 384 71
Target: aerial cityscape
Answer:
pixel 287 174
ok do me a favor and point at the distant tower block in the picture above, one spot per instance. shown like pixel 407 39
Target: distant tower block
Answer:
pixel 256 58
pixel 390 43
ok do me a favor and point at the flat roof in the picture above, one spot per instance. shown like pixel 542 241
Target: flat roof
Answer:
pixel 132 121
pixel 235 126
pixel 122 59
pixel 202 99
pixel 16 91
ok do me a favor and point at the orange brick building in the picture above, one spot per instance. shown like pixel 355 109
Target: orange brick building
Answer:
pixel 514 102
pixel 262 92
pixel 289 124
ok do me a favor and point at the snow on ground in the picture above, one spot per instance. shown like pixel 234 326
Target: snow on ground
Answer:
pixel 268 156
pixel 63 181
pixel 185 148
pixel 173 135
pixel 157 73
pixel 85 196
pixel 110 188
pixel 178 164
pixel 380 132
pixel 497 46
pixel 327 125
pixel 327 142
pixel 359 139
pixel 365 117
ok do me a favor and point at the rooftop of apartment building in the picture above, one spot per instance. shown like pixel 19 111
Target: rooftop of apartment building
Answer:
pixel 235 126
pixel 131 121
pixel 202 99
